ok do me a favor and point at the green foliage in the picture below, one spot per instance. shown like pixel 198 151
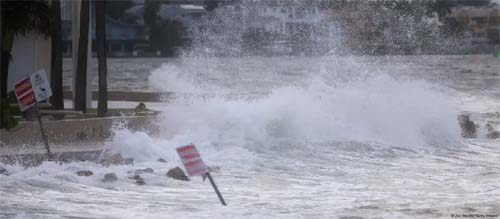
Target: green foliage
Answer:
pixel 8 121
pixel 21 17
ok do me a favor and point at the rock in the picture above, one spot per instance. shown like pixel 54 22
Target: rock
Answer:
pixel 129 161
pixel 110 177
pixel 146 170
pixel 140 107
pixel 3 171
pixel 138 180
pixel 492 133
pixel 177 173
pixel 84 173
pixel 161 160
pixel 468 127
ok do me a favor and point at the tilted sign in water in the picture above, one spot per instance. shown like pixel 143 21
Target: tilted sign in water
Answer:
pixel 41 85
pixel 31 90
pixel 24 94
pixel 195 166
pixel 192 160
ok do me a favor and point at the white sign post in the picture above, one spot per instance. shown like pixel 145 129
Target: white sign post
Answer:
pixel 31 90
pixel 195 166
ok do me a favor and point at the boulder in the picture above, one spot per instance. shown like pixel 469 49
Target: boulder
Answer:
pixel 161 160
pixel 146 170
pixel 110 177
pixel 84 173
pixel 177 173
pixel 491 132
pixel 3 171
pixel 468 127
pixel 138 180
pixel 140 107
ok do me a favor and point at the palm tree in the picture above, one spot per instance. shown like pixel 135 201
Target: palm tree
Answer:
pixel 81 67
pixel 100 13
pixel 35 18
pixel 18 18
pixel 56 76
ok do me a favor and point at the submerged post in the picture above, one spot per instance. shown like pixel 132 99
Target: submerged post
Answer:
pixel 221 199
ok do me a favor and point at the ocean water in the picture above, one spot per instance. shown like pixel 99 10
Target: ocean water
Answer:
pixel 294 137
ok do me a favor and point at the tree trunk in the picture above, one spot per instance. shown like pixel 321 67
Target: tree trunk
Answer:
pixel 6 47
pixel 102 104
pixel 3 85
pixel 3 79
pixel 56 76
pixel 81 68
pixel 5 70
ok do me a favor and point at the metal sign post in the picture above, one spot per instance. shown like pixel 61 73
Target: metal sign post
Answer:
pixel 31 90
pixel 221 199
pixel 44 137
pixel 195 166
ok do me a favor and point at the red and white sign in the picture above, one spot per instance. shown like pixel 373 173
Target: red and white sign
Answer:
pixel 25 94
pixel 32 89
pixel 192 160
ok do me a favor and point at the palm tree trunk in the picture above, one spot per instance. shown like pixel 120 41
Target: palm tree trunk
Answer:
pixel 56 77
pixel 6 47
pixel 81 67
pixel 5 70
pixel 100 11
pixel 3 79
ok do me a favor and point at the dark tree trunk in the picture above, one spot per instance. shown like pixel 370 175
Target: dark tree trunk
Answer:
pixel 81 68
pixel 3 84
pixel 5 70
pixel 3 78
pixel 56 77
pixel 102 104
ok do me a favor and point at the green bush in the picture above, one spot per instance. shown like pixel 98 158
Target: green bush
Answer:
pixel 7 120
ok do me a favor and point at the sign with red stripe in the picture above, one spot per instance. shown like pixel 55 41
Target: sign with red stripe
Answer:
pixel 32 89
pixel 25 94
pixel 23 86
pixel 192 160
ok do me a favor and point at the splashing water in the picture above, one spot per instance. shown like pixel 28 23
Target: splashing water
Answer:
pixel 299 137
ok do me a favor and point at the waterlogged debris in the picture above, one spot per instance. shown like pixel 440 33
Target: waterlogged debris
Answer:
pixel 84 173
pixel 177 173
pixel 492 133
pixel 138 180
pixel 145 170
pixel 468 127
pixel 161 160
pixel 110 177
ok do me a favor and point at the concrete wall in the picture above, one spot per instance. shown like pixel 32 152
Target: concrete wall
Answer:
pixel 71 131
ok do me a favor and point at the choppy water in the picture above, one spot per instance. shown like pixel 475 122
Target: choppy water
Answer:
pixel 324 137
